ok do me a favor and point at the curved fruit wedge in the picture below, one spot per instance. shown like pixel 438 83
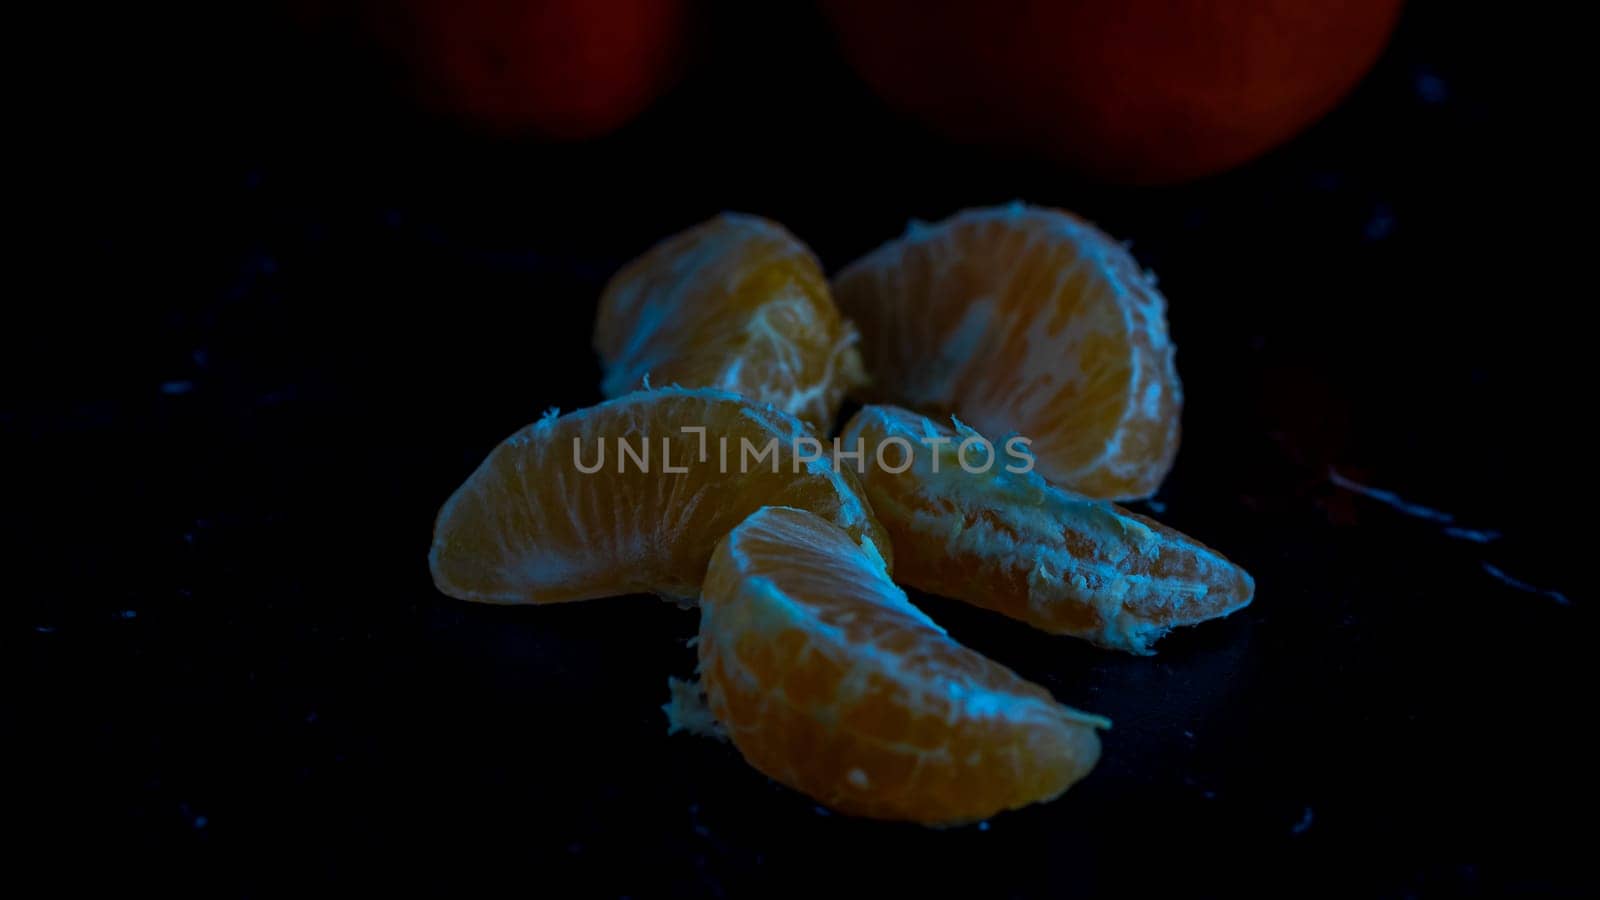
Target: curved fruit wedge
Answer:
pixel 531 526
pixel 827 679
pixel 1014 543
pixel 737 304
pixel 1026 320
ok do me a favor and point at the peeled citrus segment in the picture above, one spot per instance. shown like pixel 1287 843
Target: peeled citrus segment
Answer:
pixel 737 304
pixel 1028 320
pixel 1012 542
pixel 531 526
pixel 827 679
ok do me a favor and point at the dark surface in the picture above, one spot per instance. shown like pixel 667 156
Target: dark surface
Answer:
pixel 287 324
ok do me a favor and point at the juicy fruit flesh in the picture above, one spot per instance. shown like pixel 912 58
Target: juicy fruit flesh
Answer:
pixel 827 679
pixel 737 304
pixel 1016 544
pixel 814 662
pixel 1030 320
pixel 530 527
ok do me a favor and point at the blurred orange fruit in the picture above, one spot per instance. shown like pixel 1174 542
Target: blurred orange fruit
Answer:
pixel 974 524
pixel 1029 320
pixel 1130 90
pixel 827 679
pixel 563 69
pixel 738 304
pixel 532 526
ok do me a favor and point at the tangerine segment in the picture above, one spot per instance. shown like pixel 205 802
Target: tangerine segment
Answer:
pixel 1031 320
pixel 1012 542
pixel 827 679
pixel 531 526
pixel 738 304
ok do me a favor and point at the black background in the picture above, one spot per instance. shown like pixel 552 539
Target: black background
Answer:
pixel 277 321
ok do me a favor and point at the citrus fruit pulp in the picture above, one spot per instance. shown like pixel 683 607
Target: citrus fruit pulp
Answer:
pixel 531 526
pixel 1006 539
pixel 827 679
pixel 1028 320
pixel 738 304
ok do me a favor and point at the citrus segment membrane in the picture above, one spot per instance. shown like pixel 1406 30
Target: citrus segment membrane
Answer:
pixel 1021 319
pixel 532 526
pixel 828 680
pixel 1002 537
pixel 737 304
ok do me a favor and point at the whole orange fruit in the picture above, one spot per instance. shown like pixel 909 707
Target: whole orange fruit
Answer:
pixel 1142 91
pixel 565 69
